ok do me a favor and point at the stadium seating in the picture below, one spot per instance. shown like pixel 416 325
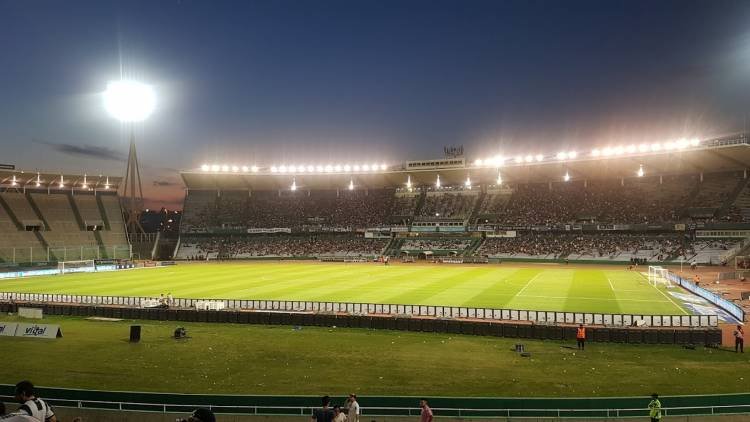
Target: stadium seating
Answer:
pixel 40 226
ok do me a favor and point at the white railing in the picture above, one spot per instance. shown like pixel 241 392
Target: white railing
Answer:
pixel 447 412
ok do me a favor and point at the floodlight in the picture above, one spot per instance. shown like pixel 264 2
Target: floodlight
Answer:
pixel 254 169
pixel 529 158
pixel 607 152
pixel 294 185
pixel 695 142
pixel 595 152
pixel 225 168
pixel 215 167
pixel 235 169
pixel 643 147
pixel 467 183
pixel 619 150
pixel 282 168
pixel 383 167
pixel 351 184
pixel 366 167
pixel 408 181
pixel 338 167
pixel 437 182
pixel 478 162
pixel 519 159
pixel 682 143
pixel 539 157
pixel 356 167
pixel 572 154
pixel 319 169
pixel 274 169
pixel 499 179
pixel 669 146
pixel 62 182
pixel 347 167
pixel 205 167
pixel 562 155
pixel 655 147
pixel 105 186
pixel 498 160
pixel 129 101
pixel 374 167
pixel 245 169
pixel 631 149
pixel 566 177
pixel 13 182
pixel 329 168
pixel 640 171
pixel 84 186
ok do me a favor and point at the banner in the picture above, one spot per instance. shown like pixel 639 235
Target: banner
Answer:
pixel 8 329
pixel 269 230
pixel 38 330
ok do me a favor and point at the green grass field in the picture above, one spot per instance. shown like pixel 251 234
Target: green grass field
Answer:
pixel 554 288
pixel 253 359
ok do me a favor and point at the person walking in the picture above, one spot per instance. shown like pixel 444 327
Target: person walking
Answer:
pixel 739 339
pixel 426 415
pixel 654 408
pixel 581 337
pixel 353 408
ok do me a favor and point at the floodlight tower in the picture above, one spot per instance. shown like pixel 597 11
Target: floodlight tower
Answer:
pixel 131 102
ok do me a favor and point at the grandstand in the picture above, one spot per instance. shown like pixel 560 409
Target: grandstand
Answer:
pixel 53 217
pixel 605 209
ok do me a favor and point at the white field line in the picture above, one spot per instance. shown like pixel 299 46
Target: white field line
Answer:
pixel 611 286
pixel 665 295
pixel 596 298
pixel 528 283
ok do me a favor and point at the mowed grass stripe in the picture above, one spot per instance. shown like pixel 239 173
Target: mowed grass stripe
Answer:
pixel 552 289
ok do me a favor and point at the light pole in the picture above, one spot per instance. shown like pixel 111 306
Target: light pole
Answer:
pixel 131 102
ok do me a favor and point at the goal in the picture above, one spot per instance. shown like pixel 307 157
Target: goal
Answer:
pixel 85 266
pixel 658 275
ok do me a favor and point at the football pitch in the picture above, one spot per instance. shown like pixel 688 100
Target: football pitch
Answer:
pixel 551 288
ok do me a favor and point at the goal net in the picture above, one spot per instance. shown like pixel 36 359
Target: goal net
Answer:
pixel 658 275
pixel 85 266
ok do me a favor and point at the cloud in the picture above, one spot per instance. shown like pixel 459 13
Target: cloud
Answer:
pixel 162 183
pixel 88 151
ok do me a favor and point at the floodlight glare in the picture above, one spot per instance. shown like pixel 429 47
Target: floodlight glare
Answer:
pixel 499 179
pixel 347 167
pixel 478 162
pixel 319 169
pixel 695 142
pixel 235 169
pixel 356 167
pixel 640 171
pixel 467 183
pixel 539 157
pixel 643 147
pixel 408 182
pixel 437 183
pixel 631 149
pixel 329 168
pixel 244 169
pixel 519 159
pixel 366 167
pixel 294 185
pixel 655 147
pixel 351 184
pixel 529 158
pixel 383 167
pixel 215 167
pixel 572 154
pixel 338 167
pixel 225 168
pixel 595 152
pixel 566 177
pixel 562 155
pixel 274 169
pixel 129 101
pixel 205 167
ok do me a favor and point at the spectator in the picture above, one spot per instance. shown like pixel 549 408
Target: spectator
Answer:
pixel 338 415
pixel 353 407
pixel 426 415
pixel 31 405
pixel 324 414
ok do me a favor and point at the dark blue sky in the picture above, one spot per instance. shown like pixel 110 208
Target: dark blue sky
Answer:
pixel 303 81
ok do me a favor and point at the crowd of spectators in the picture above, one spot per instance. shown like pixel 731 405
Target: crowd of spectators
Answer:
pixel 557 245
pixel 435 244
pixel 326 210
pixel 230 247
pixel 448 205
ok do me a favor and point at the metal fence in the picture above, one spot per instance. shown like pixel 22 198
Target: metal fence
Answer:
pixel 68 253
pixel 539 317
pixel 446 412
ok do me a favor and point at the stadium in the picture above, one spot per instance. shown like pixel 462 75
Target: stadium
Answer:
pixel 484 267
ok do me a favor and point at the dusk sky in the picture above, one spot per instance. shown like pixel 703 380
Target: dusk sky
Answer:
pixel 270 82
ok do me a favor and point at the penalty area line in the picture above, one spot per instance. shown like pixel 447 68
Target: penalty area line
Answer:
pixel 665 295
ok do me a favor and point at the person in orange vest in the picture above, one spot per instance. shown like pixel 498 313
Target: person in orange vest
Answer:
pixel 581 337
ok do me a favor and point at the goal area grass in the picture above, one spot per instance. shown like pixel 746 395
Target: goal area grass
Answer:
pixel 552 288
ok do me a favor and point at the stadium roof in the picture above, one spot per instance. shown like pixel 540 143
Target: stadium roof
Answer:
pixel 729 153
pixel 19 179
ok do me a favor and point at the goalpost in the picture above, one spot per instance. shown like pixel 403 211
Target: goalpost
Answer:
pixel 84 266
pixel 658 275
